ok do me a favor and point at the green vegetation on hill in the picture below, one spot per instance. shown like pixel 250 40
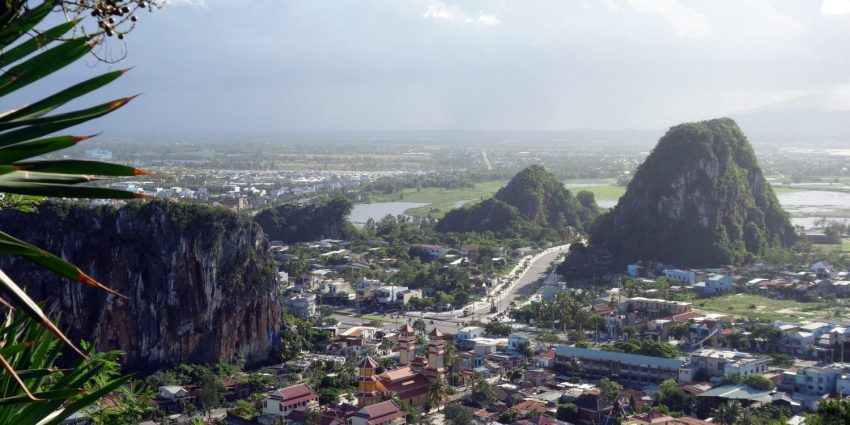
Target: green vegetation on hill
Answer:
pixel 293 223
pixel 534 199
pixel 699 199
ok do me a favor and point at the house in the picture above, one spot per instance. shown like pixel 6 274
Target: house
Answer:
pixel 303 305
pixel 654 307
pixel 173 392
pixel 284 400
pixel 434 251
pixel 821 268
pixel 634 270
pixel 516 343
pixel 383 413
pixel 685 276
pixel 653 417
pixel 715 284
pixel 388 294
pixel 465 335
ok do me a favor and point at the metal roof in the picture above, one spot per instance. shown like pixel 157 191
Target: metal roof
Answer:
pixel 586 353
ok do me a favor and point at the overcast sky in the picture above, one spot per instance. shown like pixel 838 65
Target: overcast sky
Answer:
pixel 264 66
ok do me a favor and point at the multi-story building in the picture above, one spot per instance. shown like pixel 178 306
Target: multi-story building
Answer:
pixel 716 363
pixel 654 307
pixel 632 369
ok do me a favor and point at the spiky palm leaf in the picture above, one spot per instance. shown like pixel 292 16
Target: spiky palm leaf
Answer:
pixel 25 133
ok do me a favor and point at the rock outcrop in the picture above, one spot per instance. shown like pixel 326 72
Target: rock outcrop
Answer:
pixel 533 198
pixel 699 199
pixel 200 282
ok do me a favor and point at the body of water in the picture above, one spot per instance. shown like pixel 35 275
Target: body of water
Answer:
pixel 361 213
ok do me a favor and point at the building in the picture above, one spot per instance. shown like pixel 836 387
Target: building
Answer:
pixel 715 284
pixel 412 380
pixel 173 392
pixel 715 363
pixel 303 305
pixel 465 335
pixel 283 401
pixel 516 343
pixel 654 307
pixel 383 413
pixel 685 276
pixel 632 369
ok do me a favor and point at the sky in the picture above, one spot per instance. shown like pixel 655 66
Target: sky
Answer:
pixel 269 66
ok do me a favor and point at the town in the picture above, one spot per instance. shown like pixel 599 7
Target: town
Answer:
pixel 524 347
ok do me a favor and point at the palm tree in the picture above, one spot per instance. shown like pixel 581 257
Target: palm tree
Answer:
pixel 438 391
pixel 728 413
pixel 482 389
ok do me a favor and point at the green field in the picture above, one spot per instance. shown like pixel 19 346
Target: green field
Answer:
pixel 442 200
pixel 767 309
pixel 827 248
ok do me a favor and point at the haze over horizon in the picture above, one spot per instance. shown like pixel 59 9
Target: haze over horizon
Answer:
pixel 262 67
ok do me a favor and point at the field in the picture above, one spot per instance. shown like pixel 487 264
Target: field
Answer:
pixel 766 309
pixel 442 200
pixel 827 248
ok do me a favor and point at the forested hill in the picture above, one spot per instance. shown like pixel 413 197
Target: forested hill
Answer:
pixel 534 198
pixel 699 199
pixel 294 223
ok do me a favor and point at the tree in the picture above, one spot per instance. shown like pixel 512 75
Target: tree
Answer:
pixel 498 328
pixel 456 414
pixel 211 392
pixel 438 391
pixel 676 399
pixel 566 412
pixel 419 325
pixel 610 390
pixel 830 412
pixel 482 390
pixel 728 413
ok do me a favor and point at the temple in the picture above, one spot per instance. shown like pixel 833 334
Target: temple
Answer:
pixel 411 380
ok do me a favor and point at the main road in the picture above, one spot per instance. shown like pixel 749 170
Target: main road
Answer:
pixel 517 283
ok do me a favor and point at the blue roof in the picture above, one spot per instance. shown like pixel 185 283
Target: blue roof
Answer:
pixel 586 353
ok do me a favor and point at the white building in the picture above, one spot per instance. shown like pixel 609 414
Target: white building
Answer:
pixel 684 276
pixel 285 400
pixel 468 333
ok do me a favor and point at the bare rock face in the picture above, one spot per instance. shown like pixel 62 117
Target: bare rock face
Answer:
pixel 200 282
pixel 699 199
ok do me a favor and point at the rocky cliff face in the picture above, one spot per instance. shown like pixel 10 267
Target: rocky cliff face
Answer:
pixel 200 283
pixel 699 199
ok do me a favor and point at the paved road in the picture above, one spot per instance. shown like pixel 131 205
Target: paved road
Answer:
pixel 452 321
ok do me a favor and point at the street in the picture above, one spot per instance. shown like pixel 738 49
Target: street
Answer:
pixel 452 321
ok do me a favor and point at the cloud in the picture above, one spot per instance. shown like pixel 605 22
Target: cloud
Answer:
pixel 190 3
pixel 686 22
pixel 439 10
pixel 835 7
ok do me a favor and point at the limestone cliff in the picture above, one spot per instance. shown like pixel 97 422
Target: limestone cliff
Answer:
pixel 699 199
pixel 200 283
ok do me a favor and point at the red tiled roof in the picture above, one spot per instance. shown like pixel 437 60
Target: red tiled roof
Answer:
pixel 381 412
pixel 413 385
pixel 407 328
pixel 296 394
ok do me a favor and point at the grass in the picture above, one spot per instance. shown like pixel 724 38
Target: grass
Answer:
pixel 844 246
pixel 766 309
pixel 440 200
